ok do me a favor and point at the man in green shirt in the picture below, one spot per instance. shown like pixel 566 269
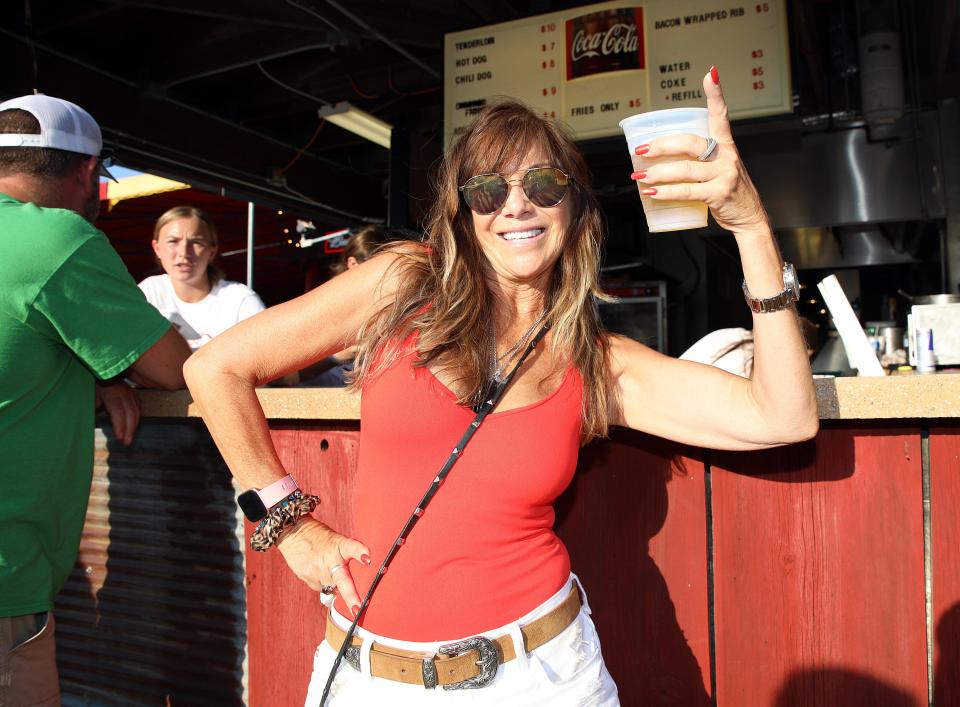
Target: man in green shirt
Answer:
pixel 70 315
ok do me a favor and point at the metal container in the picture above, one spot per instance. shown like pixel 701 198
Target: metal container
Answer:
pixel 931 299
pixel 892 338
pixel 944 321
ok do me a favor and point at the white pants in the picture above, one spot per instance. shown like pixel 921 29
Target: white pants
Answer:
pixel 567 670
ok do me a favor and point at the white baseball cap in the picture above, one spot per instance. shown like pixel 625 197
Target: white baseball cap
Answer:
pixel 63 126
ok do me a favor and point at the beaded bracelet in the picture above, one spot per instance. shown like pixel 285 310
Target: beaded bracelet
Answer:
pixel 282 516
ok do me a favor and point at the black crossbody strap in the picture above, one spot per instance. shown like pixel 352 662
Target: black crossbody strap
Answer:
pixel 492 397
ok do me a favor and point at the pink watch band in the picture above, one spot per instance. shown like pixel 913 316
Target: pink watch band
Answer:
pixel 277 491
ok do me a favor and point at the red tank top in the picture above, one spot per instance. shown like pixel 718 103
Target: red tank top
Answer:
pixel 484 553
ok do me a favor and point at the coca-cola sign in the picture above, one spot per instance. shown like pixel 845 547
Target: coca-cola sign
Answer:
pixel 605 41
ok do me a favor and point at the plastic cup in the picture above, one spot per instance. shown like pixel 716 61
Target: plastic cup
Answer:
pixel 665 216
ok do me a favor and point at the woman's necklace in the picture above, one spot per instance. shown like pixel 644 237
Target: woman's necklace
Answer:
pixel 499 363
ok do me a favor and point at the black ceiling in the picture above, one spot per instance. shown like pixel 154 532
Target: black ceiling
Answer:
pixel 224 93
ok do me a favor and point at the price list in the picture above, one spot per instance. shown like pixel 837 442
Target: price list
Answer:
pixel 590 67
pixel 521 59
pixel 550 70
pixel 746 41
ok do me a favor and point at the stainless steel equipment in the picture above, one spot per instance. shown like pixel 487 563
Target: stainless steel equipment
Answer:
pixel 944 320
pixel 930 299
pixel 840 247
pixel 639 312
pixel 842 178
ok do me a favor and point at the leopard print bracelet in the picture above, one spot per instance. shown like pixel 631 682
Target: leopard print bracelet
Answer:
pixel 281 517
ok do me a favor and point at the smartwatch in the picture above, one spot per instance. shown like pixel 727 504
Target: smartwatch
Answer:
pixel 256 503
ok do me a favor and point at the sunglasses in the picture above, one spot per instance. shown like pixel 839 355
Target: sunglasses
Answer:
pixel 543 186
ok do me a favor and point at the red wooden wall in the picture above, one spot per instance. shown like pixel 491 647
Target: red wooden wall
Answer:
pixel 634 522
pixel 818 557
pixel 285 619
pixel 817 582
pixel 945 544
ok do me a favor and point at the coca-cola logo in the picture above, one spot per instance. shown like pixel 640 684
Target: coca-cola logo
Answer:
pixel 604 41
pixel 618 39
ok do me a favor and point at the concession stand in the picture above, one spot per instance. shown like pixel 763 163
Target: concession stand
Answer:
pixel 822 573
pixel 756 578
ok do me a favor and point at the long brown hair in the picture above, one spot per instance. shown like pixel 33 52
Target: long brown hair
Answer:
pixel 444 292
pixel 214 272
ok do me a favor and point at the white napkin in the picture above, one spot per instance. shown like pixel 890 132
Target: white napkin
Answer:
pixel 859 352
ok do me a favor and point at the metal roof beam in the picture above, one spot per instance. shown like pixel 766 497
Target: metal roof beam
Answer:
pixel 124 109
pixel 172 7
pixel 334 40
pixel 383 38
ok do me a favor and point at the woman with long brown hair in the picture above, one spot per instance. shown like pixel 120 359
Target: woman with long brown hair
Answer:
pixel 495 315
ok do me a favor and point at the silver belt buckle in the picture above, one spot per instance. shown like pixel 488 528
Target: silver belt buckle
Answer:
pixel 489 663
pixel 352 656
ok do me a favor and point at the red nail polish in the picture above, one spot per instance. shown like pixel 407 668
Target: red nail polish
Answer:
pixel 355 609
pixel 642 149
pixel 638 175
pixel 715 75
pixel 648 192
pixel 365 559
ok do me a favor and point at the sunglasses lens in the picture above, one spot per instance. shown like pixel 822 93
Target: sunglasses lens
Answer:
pixel 545 186
pixel 485 193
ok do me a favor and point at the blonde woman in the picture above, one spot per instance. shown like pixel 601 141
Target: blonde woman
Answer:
pixel 192 293
pixel 482 592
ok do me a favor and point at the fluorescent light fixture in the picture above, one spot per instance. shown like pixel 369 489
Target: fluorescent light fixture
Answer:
pixel 356 121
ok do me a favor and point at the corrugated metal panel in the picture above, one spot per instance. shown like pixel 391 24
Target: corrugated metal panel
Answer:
pixel 154 612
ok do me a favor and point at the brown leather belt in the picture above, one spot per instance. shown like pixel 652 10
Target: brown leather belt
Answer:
pixel 469 663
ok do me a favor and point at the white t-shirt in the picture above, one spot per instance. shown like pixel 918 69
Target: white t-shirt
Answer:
pixel 228 303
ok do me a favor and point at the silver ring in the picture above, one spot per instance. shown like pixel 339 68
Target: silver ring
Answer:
pixel 328 589
pixel 336 567
pixel 708 152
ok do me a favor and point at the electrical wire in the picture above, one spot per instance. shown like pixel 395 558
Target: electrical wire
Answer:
pixel 314 13
pixel 386 40
pixel 303 149
pixel 429 89
pixel 360 93
pixel 320 204
pixel 167 99
pixel 316 132
pixel 290 88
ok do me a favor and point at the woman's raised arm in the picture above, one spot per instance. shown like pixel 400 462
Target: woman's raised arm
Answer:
pixel 699 404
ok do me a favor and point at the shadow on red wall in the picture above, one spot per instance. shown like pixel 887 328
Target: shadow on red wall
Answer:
pixel 607 518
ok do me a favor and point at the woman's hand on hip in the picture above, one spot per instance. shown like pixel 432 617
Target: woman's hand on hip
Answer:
pixel 321 557
pixel 720 180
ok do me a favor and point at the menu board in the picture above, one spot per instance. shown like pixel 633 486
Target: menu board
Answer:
pixel 592 66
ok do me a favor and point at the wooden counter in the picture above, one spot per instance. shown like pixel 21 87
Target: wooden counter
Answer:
pixel 892 397
pixel 823 573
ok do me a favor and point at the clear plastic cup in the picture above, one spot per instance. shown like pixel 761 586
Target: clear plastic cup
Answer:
pixel 665 216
